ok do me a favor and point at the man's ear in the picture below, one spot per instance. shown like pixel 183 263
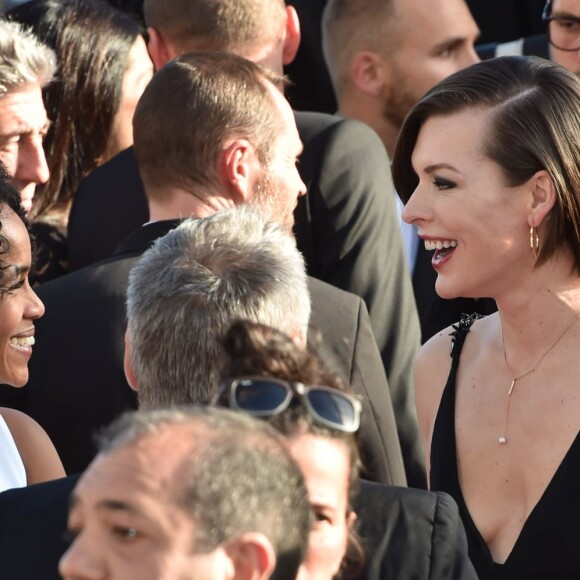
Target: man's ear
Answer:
pixel 159 49
pixel 252 556
pixel 368 74
pixel 543 197
pixel 127 365
pixel 292 36
pixel 239 169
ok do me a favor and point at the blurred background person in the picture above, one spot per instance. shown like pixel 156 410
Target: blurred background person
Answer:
pixel 560 40
pixel 102 69
pixel 382 57
pixel 498 201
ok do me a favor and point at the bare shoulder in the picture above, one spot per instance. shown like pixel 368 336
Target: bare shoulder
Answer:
pixel 432 368
pixel 39 456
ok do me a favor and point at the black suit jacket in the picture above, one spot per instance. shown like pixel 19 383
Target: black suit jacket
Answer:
pixel 407 534
pixel 411 534
pixel 33 529
pixel 346 227
pixel 77 382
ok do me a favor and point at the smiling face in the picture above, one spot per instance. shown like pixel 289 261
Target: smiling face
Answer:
pixel 19 305
pixel 127 520
pixel 430 41
pixel 325 464
pixel 463 207
pixel 23 125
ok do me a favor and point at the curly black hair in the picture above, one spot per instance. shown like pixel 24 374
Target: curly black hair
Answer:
pixel 10 197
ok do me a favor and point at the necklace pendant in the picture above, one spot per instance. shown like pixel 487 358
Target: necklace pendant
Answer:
pixel 502 440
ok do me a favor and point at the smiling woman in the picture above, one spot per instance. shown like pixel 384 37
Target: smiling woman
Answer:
pixel 488 163
pixel 26 453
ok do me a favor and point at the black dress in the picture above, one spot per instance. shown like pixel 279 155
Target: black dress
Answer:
pixel 548 546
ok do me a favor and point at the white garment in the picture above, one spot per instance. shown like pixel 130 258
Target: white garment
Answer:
pixel 12 472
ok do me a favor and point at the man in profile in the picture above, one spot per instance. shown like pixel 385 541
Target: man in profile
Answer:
pixel 26 66
pixel 346 225
pixel 246 144
pixel 192 493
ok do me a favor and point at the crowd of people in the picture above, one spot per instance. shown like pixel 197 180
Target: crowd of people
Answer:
pixel 247 341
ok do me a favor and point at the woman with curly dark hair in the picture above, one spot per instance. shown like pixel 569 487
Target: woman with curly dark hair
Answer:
pixel 26 454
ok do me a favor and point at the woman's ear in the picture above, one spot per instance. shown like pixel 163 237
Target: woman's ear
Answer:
pixel 543 197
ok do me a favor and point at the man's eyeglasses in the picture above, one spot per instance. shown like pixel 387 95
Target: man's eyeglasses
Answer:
pixel 266 397
pixel 563 30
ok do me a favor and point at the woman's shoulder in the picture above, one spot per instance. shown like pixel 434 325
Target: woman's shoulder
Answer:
pixel 38 454
pixel 433 366
pixel 448 343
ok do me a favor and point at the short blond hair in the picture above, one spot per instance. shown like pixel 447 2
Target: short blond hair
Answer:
pixel 24 60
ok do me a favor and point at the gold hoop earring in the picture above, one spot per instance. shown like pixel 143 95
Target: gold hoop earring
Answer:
pixel 534 242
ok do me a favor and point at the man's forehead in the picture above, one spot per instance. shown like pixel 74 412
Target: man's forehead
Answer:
pixel 22 110
pixel 151 465
pixel 442 18
pixel 566 6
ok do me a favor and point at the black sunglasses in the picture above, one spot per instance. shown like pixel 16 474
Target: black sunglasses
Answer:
pixel 266 397
pixel 566 34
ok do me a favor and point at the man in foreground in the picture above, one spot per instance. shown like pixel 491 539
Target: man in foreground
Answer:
pixel 194 494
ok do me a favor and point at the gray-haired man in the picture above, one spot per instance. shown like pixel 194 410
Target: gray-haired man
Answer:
pixel 26 66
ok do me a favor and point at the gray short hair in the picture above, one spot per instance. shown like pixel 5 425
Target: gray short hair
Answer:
pixel 186 291
pixel 239 478
pixel 24 60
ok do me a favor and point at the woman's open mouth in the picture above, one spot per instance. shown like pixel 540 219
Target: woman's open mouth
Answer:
pixel 443 250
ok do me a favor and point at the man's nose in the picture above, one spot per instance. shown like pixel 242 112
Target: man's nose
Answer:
pixel 31 166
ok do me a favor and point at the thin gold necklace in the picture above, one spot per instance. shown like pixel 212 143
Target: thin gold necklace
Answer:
pixel 502 439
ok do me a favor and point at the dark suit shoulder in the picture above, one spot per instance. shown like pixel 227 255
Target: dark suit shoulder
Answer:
pixel 411 534
pixel 108 205
pixel 32 529
pixel 348 347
